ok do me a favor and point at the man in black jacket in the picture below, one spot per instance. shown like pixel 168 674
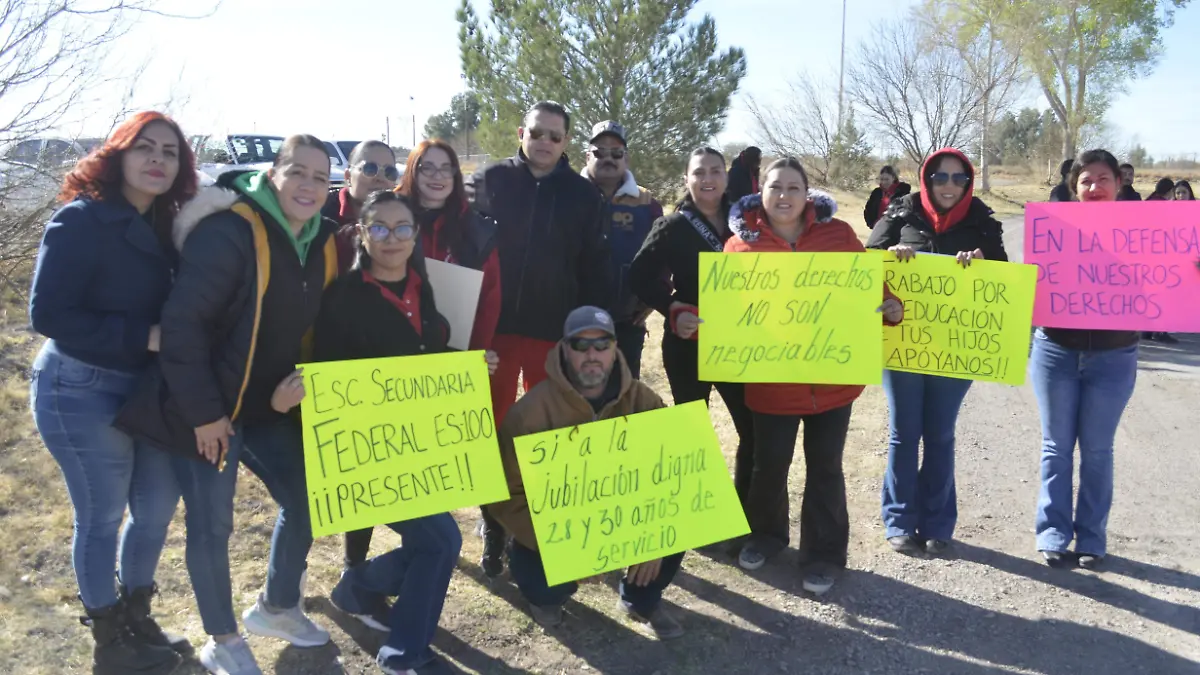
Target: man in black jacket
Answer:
pixel 554 257
pixel 1062 191
pixel 743 174
pixel 1127 193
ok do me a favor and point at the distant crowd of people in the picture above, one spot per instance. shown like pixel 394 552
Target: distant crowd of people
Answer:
pixel 175 318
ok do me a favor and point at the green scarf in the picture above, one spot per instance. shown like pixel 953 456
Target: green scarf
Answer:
pixel 257 187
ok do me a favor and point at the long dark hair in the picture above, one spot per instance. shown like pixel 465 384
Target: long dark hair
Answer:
pixel 363 260
pixel 687 202
pixel 1097 156
pixel 455 213
pixel 1191 195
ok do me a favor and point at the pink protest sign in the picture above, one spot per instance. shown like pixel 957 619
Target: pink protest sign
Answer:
pixel 1116 265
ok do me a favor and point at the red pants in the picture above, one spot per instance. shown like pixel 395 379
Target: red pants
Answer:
pixel 517 355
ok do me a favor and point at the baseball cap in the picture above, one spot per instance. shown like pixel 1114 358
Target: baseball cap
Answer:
pixel 609 127
pixel 583 319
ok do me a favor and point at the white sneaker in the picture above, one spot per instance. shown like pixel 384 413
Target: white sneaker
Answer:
pixel 230 658
pixel 289 624
pixel 385 654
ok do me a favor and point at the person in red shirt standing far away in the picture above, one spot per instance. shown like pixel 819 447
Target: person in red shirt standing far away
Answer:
pixel 786 218
pixel 372 167
pixel 554 257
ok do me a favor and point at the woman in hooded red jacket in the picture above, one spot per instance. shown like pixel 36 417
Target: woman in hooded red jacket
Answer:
pixel 920 505
pixel 787 217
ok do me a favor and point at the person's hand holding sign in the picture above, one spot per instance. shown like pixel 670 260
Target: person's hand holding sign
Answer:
pixel 645 573
pixel 893 310
pixel 903 253
pixel 212 439
pixel 493 361
pixel 686 323
pixel 289 393
pixel 965 257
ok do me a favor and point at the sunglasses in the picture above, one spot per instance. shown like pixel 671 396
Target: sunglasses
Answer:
pixel 380 233
pixel 431 171
pixel 615 153
pixel 371 169
pixel 941 178
pixel 539 134
pixel 581 345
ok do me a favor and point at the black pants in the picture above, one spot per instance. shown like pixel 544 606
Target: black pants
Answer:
pixel 824 521
pixel 681 361
pixel 358 545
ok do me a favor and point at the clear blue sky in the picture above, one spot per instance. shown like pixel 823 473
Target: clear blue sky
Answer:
pixel 338 69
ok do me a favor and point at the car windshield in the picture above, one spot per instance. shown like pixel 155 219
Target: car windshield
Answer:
pixel 347 147
pixel 255 149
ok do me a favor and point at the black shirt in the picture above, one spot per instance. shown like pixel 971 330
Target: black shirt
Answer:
pixel 667 269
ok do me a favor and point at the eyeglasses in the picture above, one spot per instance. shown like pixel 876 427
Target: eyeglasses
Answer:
pixel 539 134
pixel 431 171
pixel 371 169
pixel 378 232
pixel 581 345
pixel 601 153
pixel 941 178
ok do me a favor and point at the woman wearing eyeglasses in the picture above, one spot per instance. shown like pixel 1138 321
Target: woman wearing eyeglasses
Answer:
pixel 383 308
pixel 372 167
pixel 920 505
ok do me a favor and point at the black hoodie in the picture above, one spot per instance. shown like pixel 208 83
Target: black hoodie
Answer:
pixel 554 252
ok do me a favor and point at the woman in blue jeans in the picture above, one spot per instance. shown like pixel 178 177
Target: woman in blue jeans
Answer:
pixel 1083 380
pixel 383 308
pixel 920 504
pixel 255 257
pixel 103 272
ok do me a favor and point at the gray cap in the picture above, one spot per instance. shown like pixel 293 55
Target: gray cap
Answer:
pixel 609 127
pixel 583 319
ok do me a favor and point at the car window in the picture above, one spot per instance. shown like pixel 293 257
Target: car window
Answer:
pixel 347 147
pixel 333 153
pixel 255 149
pixel 25 152
pixel 59 152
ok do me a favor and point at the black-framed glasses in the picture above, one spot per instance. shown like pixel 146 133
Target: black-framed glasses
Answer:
pixel 539 134
pixel 379 232
pixel 371 169
pixel 601 153
pixel 941 178
pixel 581 345
pixel 432 171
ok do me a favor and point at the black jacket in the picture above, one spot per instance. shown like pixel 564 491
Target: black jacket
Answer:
pixel 554 252
pixel 357 322
pixel 235 322
pixel 667 268
pixel 1061 193
pixel 871 213
pixel 741 180
pixel 905 223
pixel 1128 194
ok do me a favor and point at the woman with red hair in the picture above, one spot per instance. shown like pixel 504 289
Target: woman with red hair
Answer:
pixel 103 272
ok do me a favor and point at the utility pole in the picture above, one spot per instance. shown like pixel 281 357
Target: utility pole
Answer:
pixel 387 123
pixel 842 72
pixel 412 105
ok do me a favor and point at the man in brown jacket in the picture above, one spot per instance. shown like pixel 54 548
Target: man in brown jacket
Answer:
pixel 587 380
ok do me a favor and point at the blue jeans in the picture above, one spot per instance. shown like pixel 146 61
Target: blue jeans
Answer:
pixel 630 340
pixel 417 574
pixel 208 500
pixel 74 405
pixel 921 501
pixel 526 568
pixel 275 453
pixel 1081 397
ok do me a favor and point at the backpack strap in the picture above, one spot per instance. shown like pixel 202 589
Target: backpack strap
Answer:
pixel 262 256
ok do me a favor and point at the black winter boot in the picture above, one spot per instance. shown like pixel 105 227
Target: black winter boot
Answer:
pixel 144 627
pixel 117 652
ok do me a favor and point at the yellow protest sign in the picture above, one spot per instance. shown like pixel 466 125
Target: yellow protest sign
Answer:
pixel 394 439
pixel 791 317
pixel 614 493
pixel 972 323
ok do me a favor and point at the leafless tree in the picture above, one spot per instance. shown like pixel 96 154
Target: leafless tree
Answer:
pixel 802 125
pixel 914 90
pixel 52 61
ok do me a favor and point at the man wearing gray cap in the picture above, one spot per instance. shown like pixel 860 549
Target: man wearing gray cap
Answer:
pixel 587 380
pixel 631 213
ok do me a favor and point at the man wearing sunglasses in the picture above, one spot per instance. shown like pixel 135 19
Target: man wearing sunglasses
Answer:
pixel 372 168
pixel 631 212
pixel 587 380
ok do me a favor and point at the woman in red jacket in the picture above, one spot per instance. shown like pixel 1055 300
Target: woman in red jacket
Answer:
pixel 451 231
pixel 787 217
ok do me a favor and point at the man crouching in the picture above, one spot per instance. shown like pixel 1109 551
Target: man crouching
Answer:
pixel 587 380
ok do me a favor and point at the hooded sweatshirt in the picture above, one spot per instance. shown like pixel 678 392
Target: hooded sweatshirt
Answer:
pixel 257 187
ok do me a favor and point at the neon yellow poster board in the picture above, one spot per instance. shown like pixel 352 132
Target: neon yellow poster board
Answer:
pixel 791 317
pixel 619 492
pixel 387 440
pixel 970 323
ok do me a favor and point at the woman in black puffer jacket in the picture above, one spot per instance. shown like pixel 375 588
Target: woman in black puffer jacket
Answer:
pixel 919 503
